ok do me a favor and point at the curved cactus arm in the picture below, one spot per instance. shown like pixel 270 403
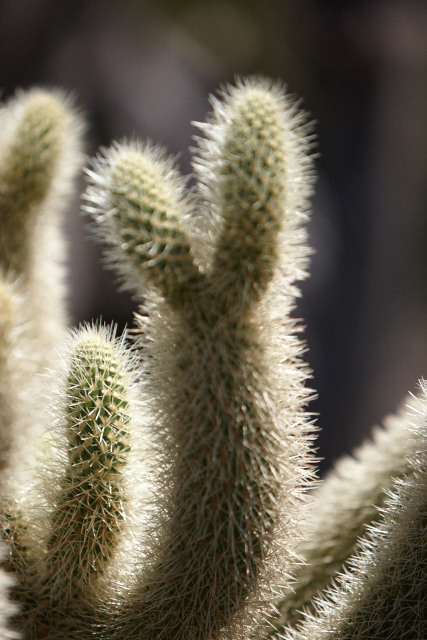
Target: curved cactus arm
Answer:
pixel 236 445
pixel 90 507
pixel 255 172
pixel 138 198
pixel 383 595
pixel 40 143
pixel 345 504
pixel 40 154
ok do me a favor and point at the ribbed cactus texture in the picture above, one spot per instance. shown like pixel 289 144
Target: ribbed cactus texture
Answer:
pixel 234 456
pixel 171 497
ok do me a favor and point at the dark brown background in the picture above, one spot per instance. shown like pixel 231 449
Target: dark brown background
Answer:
pixel 146 68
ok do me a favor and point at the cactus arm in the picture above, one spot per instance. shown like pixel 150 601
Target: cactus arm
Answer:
pixel 383 594
pixel 40 154
pixel 255 172
pixel 36 124
pixel 90 508
pixel 227 450
pixel 139 198
pixel 345 504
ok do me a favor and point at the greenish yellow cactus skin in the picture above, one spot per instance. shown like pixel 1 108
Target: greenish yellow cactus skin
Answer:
pixel 40 154
pixel 90 508
pixel 228 446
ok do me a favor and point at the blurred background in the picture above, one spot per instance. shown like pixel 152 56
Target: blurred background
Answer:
pixel 147 68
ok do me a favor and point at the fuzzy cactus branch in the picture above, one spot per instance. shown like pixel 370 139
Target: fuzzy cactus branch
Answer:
pixel 228 446
pixel 210 399
pixel 383 593
pixel 139 197
pixel 345 504
pixel 87 512
pixel 90 508
pixel 40 155
pixel 36 144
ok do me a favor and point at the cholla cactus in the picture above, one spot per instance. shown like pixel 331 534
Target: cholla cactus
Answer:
pixel 383 594
pixel 209 399
pixel 347 502
pixel 222 357
pixel 40 142
pixel 87 509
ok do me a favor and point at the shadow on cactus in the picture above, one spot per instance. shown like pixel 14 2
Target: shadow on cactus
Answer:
pixel 164 490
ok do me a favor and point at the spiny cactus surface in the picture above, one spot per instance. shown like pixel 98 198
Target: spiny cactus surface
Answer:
pixel 345 505
pixel 210 399
pixel 230 442
pixel 383 594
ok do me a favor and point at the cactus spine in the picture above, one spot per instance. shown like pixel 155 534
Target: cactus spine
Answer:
pixel 383 594
pixel 345 505
pixel 217 364
pixel 228 448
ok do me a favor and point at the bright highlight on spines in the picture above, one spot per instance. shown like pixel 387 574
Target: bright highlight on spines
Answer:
pixel 383 594
pixel 138 197
pixel 229 437
pixel 90 508
pixel 255 171
pixel 345 505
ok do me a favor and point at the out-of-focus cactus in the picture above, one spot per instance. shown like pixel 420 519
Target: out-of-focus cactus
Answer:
pixel 40 142
pixel 383 592
pixel 349 500
pixel 210 398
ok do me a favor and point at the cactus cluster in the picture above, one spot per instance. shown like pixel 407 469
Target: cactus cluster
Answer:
pixel 157 485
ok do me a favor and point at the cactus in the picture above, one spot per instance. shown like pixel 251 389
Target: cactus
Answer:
pixel 227 449
pixel 383 593
pixel 40 142
pixel 171 499
pixel 88 508
pixel 350 499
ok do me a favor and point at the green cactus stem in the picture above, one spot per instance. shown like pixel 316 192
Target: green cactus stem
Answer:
pixel 36 128
pixel 90 508
pixel 234 435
